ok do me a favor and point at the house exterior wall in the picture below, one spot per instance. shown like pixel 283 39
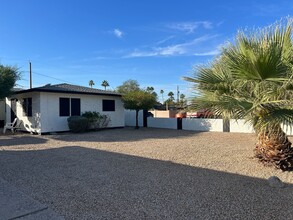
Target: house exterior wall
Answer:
pixel 164 114
pixel 30 124
pixel 52 122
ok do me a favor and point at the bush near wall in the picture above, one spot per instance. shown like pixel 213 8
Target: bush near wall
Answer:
pixel 88 121
pixel 77 124
pixel 96 120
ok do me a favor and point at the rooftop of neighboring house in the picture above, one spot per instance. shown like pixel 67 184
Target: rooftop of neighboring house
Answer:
pixel 68 88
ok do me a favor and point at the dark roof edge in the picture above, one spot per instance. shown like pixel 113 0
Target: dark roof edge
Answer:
pixel 69 92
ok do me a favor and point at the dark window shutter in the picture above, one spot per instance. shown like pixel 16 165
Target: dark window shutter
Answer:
pixel 75 107
pixel 29 107
pixel 108 105
pixel 64 106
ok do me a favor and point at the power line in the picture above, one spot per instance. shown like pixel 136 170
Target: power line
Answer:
pixel 50 77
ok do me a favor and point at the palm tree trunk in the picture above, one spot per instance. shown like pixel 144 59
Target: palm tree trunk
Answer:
pixel 274 148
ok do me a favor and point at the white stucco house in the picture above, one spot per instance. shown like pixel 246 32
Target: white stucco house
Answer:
pixel 46 109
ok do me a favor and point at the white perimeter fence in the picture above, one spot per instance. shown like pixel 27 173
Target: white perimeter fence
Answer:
pixel 196 124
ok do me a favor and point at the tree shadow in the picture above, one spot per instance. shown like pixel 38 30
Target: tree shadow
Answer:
pixel 126 134
pixel 20 139
pixel 82 183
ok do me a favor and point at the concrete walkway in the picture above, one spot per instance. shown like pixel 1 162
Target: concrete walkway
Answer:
pixel 16 205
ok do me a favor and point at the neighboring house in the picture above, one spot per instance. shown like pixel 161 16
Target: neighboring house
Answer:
pixel 46 109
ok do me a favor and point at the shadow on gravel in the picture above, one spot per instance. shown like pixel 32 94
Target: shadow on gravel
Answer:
pixel 82 183
pixel 14 140
pixel 124 134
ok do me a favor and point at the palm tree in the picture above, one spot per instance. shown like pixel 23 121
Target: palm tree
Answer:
pixel 150 89
pixel 105 84
pixel 162 93
pixel 252 79
pixel 91 83
pixel 171 96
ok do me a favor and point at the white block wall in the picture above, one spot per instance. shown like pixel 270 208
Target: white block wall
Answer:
pixel 170 123
pixel 130 119
pixel 288 129
pixel 199 124
pixel 240 126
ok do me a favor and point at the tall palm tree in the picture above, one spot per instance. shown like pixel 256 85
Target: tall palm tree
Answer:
pixel 91 83
pixel 171 96
pixel 162 93
pixel 105 84
pixel 252 79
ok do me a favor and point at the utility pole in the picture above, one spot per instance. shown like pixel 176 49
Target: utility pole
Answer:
pixel 31 80
pixel 178 94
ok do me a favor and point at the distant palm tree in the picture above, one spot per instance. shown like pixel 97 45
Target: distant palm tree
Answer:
pixel 171 96
pixel 150 89
pixel 105 84
pixel 162 93
pixel 91 83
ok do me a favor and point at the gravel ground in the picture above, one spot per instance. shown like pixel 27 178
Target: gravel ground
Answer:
pixel 146 174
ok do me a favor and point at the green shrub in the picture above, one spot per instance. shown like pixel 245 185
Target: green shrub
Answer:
pixel 78 124
pixel 96 120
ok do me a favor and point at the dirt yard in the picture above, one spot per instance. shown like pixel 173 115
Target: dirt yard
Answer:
pixel 146 174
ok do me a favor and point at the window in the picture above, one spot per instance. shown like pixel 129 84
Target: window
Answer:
pixel 27 107
pixel 108 105
pixel 69 107
pixel 75 107
pixel 64 106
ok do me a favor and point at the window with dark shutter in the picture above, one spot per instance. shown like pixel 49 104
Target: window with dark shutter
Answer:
pixel 108 105
pixel 27 107
pixel 75 107
pixel 64 107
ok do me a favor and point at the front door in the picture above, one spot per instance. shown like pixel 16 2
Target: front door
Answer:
pixel 13 109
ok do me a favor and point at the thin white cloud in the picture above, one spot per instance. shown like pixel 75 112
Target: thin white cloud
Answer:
pixel 208 53
pixel 187 48
pixel 190 27
pixel 118 33
pixel 165 40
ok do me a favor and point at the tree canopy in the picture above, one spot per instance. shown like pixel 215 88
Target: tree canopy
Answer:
pixel 135 98
pixel 138 100
pixel 128 86
pixel 8 77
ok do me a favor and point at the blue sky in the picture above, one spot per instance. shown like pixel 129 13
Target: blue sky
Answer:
pixel 155 42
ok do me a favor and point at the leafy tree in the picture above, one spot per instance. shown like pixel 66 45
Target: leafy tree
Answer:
pixel 138 100
pixel 252 79
pixel 91 83
pixel 105 84
pixel 8 77
pixel 128 86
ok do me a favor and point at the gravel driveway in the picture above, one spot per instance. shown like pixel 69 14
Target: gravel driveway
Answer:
pixel 146 174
